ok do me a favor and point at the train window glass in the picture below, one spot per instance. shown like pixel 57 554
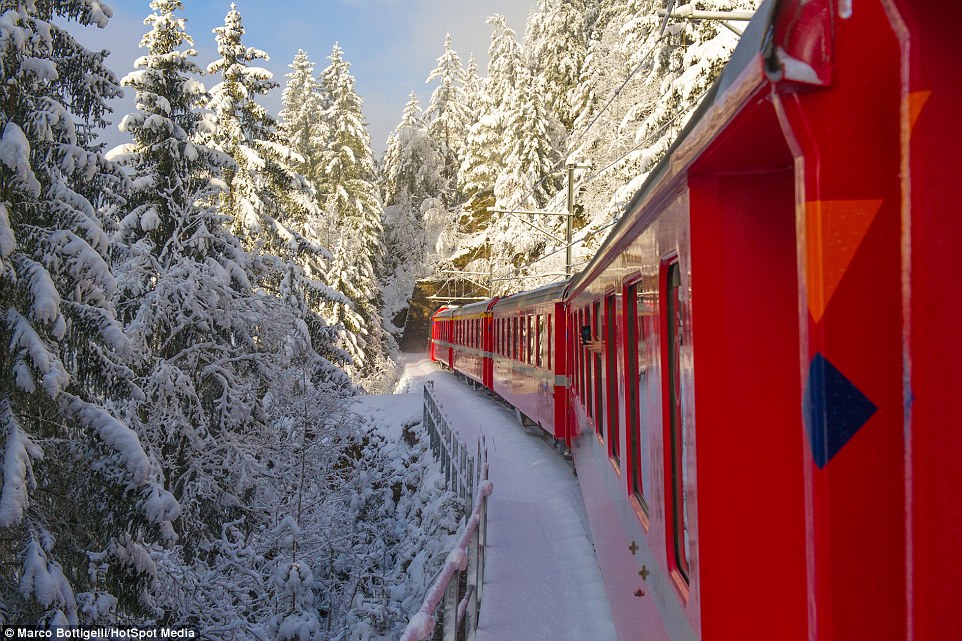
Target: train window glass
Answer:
pixel 677 465
pixel 586 362
pixel 522 338
pixel 636 355
pixel 611 376
pixel 597 373
pixel 514 338
pixel 549 349
pixel 538 331
pixel 499 336
pixel 529 343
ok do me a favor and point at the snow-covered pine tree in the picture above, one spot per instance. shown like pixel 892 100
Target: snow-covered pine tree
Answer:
pixel 448 115
pixel 531 171
pixel 301 120
pixel 80 497
pixel 473 92
pixel 484 152
pixel 556 44
pixel 412 168
pixel 348 194
pixel 411 173
pixel 272 205
pixel 186 296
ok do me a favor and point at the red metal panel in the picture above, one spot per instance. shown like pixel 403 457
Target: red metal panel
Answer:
pixel 563 376
pixel 751 515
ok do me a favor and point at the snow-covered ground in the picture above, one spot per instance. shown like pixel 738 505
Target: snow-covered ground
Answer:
pixel 542 581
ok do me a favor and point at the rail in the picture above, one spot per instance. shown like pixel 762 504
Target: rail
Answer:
pixel 465 563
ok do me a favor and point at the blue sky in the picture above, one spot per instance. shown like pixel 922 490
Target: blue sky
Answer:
pixel 392 45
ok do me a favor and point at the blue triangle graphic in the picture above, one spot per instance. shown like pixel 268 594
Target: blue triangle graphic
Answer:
pixel 834 410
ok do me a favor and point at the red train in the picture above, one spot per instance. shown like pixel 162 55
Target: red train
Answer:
pixel 765 416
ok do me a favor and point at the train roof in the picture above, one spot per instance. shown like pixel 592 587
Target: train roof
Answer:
pixel 543 294
pixel 474 308
pixel 759 57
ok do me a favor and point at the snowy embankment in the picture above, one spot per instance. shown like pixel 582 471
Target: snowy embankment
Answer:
pixel 542 580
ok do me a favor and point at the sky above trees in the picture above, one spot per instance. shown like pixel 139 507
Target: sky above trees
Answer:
pixel 392 45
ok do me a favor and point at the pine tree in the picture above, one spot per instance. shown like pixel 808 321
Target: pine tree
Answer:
pixel 348 195
pixel 271 205
pixel 556 43
pixel 411 174
pixel 301 120
pixel 532 143
pixel 484 153
pixel 473 91
pixel 80 498
pixel 186 295
pixel 448 114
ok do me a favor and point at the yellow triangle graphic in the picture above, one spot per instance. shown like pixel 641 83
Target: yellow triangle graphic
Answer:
pixel 834 231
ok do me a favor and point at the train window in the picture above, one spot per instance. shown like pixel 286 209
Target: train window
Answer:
pixel 611 376
pixel 636 355
pixel 586 362
pixel 531 339
pixel 549 347
pixel 514 338
pixel 538 338
pixel 522 338
pixel 676 465
pixel 597 373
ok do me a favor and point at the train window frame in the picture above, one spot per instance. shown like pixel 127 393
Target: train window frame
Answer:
pixel 549 351
pixel 637 429
pixel 537 340
pixel 598 368
pixel 677 517
pixel 501 337
pixel 587 392
pixel 612 390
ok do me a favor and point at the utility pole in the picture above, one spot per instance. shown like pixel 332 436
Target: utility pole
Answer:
pixel 569 215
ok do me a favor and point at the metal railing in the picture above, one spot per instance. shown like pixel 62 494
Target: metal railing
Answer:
pixel 460 468
pixel 468 476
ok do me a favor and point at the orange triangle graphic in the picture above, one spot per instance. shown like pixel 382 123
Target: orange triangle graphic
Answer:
pixel 917 100
pixel 834 231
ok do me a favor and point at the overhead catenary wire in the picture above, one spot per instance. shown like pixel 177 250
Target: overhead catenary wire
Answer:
pixel 596 174
pixel 582 133
pixel 572 144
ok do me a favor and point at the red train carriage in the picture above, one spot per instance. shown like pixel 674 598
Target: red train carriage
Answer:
pixel 530 364
pixel 763 358
pixel 442 336
pixel 747 422
pixel 461 339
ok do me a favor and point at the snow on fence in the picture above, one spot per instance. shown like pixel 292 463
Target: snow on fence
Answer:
pixel 468 476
